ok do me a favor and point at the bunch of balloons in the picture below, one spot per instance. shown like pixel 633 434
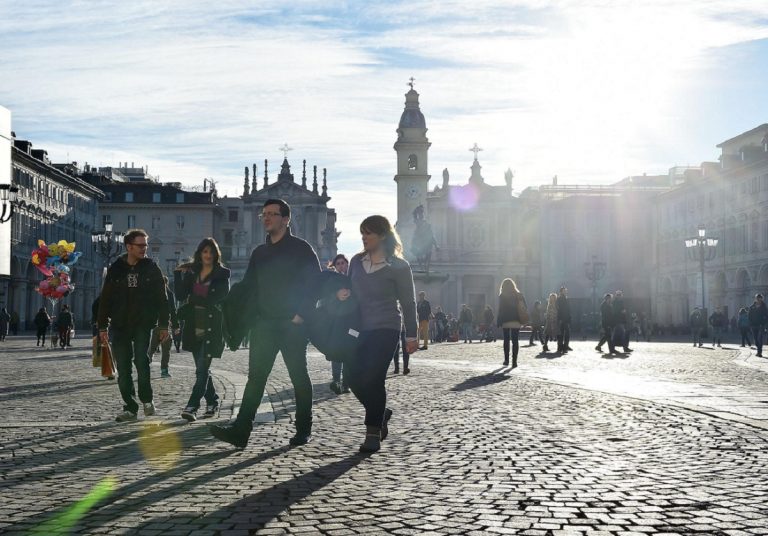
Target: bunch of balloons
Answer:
pixel 54 261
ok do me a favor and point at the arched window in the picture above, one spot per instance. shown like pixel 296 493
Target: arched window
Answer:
pixel 412 162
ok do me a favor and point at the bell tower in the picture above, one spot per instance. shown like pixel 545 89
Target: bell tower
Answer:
pixel 412 176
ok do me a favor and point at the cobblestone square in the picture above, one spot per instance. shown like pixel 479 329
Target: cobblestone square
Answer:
pixel 669 440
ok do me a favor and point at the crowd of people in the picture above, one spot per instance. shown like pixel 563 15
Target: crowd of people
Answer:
pixel 362 313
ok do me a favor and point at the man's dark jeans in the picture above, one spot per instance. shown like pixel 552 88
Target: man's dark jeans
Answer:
pixel 564 338
pixel 758 333
pixel 607 338
pixel 368 372
pixel 203 380
pixel 267 338
pixel 129 347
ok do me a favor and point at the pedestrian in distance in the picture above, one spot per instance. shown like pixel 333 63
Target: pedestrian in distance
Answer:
pixel 758 319
pixel 174 328
pixel 718 322
pixel 488 321
pixel 441 325
pixel 607 321
pixel 339 264
pixel 424 312
pixel 551 324
pixel 564 320
pixel 15 321
pixel 5 320
pixel 383 283
pixel 466 320
pixel 697 323
pixel 743 323
pixel 42 322
pixel 511 304
pixel 202 285
pixel 279 290
pixel 622 326
pixel 537 324
pixel 132 302
pixel 65 326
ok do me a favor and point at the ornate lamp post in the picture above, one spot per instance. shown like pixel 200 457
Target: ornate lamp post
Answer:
pixel 594 271
pixel 9 195
pixel 107 243
pixel 702 249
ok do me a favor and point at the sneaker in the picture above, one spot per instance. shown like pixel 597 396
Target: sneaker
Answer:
pixel 385 424
pixel 189 414
pixel 300 439
pixel 164 373
pixel 335 387
pixel 126 416
pixel 229 433
pixel 210 410
pixel 149 409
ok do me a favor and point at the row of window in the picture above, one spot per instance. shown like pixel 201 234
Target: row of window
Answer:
pixel 131 221
pixel 53 191
pixel 157 197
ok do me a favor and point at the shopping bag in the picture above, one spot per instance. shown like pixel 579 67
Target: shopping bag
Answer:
pixel 107 361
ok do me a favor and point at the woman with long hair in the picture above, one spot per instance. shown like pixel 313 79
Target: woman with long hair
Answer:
pixel 380 279
pixel 551 327
pixel 203 283
pixel 508 318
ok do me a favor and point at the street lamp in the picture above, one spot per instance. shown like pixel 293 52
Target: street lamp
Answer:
pixel 107 243
pixel 702 249
pixel 9 195
pixel 594 271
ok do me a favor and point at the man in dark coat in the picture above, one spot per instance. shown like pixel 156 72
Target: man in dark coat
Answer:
pixel 621 320
pixel 41 322
pixel 65 326
pixel 758 318
pixel 564 321
pixel 697 323
pixel 424 313
pixel 132 302
pixel 280 288
pixel 607 320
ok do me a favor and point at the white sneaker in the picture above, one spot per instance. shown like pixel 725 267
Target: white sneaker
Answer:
pixel 149 409
pixel 126 416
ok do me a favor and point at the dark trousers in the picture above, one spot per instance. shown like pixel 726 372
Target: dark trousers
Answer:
pixel 607 338
pixel 129 347
pixel 41 335
pixel 406 355
pixel 64 337
pixel 203 380
pixel 267 338
pixel 745 337
pixel 564 337
pixel 165 347
pixel 757 332
pixel 369 370
pixel 512 334
pixel 536 335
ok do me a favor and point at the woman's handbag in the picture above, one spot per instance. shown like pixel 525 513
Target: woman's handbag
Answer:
pixel 334 326
pixel 107 361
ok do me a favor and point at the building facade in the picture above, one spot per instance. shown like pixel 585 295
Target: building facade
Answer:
pixel 52 206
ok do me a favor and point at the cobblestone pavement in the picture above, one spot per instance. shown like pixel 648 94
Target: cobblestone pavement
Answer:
pixel 473 449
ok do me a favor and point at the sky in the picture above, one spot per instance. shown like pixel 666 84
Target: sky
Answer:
pixel 590 91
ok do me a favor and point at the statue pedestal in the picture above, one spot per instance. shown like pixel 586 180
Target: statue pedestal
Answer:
pixel 430 277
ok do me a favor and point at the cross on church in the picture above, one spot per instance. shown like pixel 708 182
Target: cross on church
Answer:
pixel 475 150
pixel 411 81
pixel 285 150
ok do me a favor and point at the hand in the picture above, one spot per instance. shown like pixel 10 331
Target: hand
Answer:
pixel 163 335
pixel 177 331
pixel 104 337
pixel 343 294
pixel 411 346
pixel 297 320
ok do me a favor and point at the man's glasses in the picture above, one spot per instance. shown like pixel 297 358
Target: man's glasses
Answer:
pixel 270 215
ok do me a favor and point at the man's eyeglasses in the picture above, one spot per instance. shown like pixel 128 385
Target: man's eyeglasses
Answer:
pixel 270 215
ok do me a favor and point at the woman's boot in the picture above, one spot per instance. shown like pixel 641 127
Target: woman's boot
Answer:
pixel 372 441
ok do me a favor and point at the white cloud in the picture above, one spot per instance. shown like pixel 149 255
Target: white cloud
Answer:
pixel 590 91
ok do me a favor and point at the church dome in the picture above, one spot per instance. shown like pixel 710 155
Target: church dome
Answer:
pixel 412 116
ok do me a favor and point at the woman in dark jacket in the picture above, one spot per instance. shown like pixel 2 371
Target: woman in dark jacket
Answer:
pixel 508 318
pixel 204 284
pixel 42 321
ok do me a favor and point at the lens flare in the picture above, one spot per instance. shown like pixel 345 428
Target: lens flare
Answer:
pixel 464 198
pixel 63 522
pixel 160 445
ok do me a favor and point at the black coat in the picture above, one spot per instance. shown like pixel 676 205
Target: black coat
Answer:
pixel 619 311
pixel 563 310
pixel 758 315
pixel 334 325
pixel 214 324
pixel 607 316
pixel 508 311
